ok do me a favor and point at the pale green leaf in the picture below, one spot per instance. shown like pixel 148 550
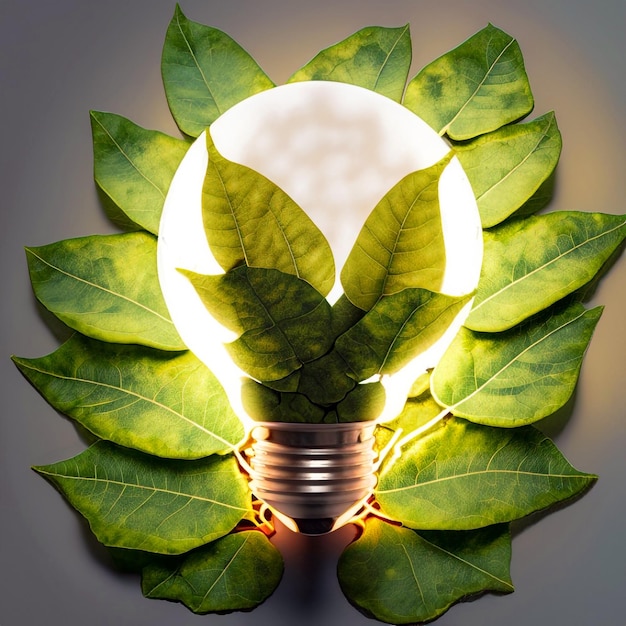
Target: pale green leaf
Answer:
pixel 234 573
pixel 250 221
pixel 375 57
pixel 401 243
pixel 140 502
pixel 508 166
pixel 205 72
pixel 463 476
pixel 400 576
pixel 106 287
pixel 396 330
pixel 530 264
pixel 474 89
pixel 283 321
pixel 165 404
pixel 517 377
pixel 134 166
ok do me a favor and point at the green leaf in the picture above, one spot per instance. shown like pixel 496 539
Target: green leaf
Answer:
pixel 250 221
pixel 363 403
pixel 205 72
pixel 376 58
pixel 396 330
pixel 106 287
pixel 282 320
pixel 165 404
pixel 478 87
pixel 518 377
pixel 326 380
pixel 401 243
pixel 134 166
pixel 463 476
pixel 139 502
pixel 508 166
pixel 530 264
pixel 399 576
pixel 236 572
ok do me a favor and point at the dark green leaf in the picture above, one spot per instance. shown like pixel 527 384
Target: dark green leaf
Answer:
pixel 250 221
pixel 401 243
pixel 236 572
pixel 376 58
pixel 515 378
pixel 508 166
pixel 165 404
pixel 134 166
pixel 478 87
pixel 106 287
pixel 399 576
pixel 282 320
pixel 463 476
pixel 205 73
pixel 530 264
pixel 396 330
pixel 136 501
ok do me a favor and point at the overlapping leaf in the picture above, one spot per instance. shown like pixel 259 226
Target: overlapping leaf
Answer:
pixel 92 284
pixel 164 404
pixel 134 166
pixel 251 221
pixel 474 89
pixel 236 572
pixel 205 72
pixel 396 330
pixel 137 501
pixel 400 576
pixel 282 320
pixel 463 476
pixel 401 243
pixel 530 264
pixel 508 166
pixel 515 378
pixel 375 57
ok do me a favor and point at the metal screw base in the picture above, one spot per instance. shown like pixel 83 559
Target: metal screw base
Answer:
pixel 316 475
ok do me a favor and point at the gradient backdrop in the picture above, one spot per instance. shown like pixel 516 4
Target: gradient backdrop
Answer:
pixel 60 58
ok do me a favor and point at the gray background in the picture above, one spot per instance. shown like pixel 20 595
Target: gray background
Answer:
pixel 60 58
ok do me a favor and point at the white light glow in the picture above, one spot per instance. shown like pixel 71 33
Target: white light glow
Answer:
pixel 336 149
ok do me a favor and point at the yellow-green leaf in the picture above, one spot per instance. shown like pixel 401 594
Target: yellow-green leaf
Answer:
pixel 532 263
pixel 474 89
pixel 134 166
pixel 163 403
pixel 508 166
pixel 375 57
pixel 136 501
pixel 205 72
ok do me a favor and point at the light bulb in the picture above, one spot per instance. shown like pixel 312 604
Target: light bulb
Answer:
pixel 336 149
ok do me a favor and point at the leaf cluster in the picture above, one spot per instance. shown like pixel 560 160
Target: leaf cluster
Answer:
pixel 161 482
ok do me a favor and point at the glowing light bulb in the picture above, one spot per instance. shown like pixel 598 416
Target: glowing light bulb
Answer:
pixel 336 149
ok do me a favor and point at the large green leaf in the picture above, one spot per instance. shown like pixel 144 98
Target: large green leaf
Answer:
pixel 250 221
pixel 236 572
pixel 165 404
pixel 518 377
pixel 139 502
pixel 530 264
pixel 508 166
pixel 399 576
pixel 473 89
pixel 401 243
pixel 375 57
pixel 106 287
pixel 396 330
pixel 283 322
pixel 205 73
pixel 463 476
pixel 134 166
